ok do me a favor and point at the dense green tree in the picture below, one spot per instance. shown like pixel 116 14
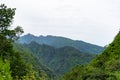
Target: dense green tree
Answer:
pixel 6 34
pixel 5 47
pixel 6 19
pixel 5 73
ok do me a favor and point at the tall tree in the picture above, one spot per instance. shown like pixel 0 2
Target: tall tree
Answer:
pixel 6 19
pixel 18 67
pixel 6 34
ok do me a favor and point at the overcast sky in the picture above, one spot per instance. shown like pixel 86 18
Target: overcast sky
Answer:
pixel 93 21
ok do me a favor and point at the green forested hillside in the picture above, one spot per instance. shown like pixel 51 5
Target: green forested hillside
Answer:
pixel 106 66
pixel 41 69
pixel 60 60
pixel 59 42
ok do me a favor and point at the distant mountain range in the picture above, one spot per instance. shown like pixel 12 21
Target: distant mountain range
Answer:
pixel 59 42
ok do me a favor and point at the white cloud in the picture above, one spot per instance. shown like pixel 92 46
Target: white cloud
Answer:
pixel 95 21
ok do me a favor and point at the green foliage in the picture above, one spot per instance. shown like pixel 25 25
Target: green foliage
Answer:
pixel 106 66
pixel 6 18
pixel 5 47
pixel 5 73
pixel 16 67
pixel 60 60
pixel 40 68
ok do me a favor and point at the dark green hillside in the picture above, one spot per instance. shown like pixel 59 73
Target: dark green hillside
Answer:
pixel 40 68
pixel 60 60
pixel 106 66
pixel 67 57
pixel 58 42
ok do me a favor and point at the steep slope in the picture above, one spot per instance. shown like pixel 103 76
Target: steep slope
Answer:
pixel 106 66
pixel 61 42
pixel 59 59
pixel 41 69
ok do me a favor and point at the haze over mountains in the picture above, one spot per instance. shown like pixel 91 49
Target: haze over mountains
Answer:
pixel 60 54
pixel 59 42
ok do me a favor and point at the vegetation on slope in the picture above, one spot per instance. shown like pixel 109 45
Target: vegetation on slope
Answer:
pixel 41 69
pixel 60 60
pixel 106 66
pixel 5 73
pixel 17 68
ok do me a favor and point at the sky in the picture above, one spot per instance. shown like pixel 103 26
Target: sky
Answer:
pixel 93 21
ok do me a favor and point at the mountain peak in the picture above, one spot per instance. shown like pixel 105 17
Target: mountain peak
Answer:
pixel 29 34
pixel 58 42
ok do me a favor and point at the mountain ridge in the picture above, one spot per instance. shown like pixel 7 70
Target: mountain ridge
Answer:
pixel 57 42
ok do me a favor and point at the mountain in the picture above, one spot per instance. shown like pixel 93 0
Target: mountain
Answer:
pixel 41 69
pixel 106 66
pixel 59 42
pixel 60 60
